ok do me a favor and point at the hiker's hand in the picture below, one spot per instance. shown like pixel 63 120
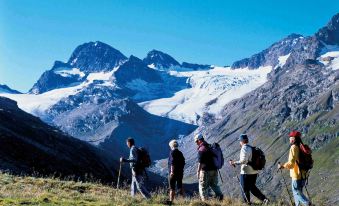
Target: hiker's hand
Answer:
pixel 280 166
pixel 232 163
pixel 171 174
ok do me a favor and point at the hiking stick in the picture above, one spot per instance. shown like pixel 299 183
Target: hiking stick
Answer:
pixel 222 181
pixel 242 189
pixel 308 194
pixel 119 176
pixel 288 192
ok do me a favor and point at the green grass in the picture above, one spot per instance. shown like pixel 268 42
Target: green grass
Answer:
pixel 19 190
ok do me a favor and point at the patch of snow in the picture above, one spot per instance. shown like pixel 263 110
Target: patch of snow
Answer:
pixel 211 90
pixel 105 76
pixel 66 72
pixel 74 61
pixel 38 104
pixel 282 59
pixel 152 66
pixel 330 57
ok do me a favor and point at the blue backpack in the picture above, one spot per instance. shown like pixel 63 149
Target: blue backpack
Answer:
pixel 218 157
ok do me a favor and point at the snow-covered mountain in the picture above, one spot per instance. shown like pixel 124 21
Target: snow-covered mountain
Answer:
pixel 160 60
pixel 160 84
pixel 92 57
pixel 213 87
pixel 101 96
pixel 209 91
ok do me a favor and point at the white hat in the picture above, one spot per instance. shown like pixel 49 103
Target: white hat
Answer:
pixel 173 144
pixel 198 137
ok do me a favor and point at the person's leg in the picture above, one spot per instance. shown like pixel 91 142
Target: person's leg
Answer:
pixel 295 192
pixel 252 179
pixel 203 185
pixel 214 184
pixel 133 186
pixel 299 197
pixel 245 190
pixel 141 187
pixel 172 181
pixel 179 184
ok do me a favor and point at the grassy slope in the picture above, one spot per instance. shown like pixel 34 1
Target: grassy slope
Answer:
pixel 17 190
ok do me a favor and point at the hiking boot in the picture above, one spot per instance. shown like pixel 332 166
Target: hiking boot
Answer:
pixel 265 202
pixel 168 202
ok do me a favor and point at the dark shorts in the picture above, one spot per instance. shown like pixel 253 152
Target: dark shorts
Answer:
pixel 176 179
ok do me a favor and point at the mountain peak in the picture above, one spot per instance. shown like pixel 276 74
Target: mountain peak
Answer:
pixel 294 36
pixel 160 59
pixel 134 58
pixel 96 57
pixel 329 34
pixel 271 55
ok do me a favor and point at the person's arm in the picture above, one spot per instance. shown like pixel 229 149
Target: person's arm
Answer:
pixel 172 170
pixel 133 156
pixel 171 164
pixel 198 171
pixel 200 153
pixel 244 155
pixel 292 157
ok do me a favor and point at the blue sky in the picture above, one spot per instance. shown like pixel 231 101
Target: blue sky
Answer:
pixel 33 34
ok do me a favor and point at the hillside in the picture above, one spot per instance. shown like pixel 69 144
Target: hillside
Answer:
pixel 30 190
pixel 28 146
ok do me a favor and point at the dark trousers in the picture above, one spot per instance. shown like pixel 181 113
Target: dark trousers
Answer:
pixel 248 184
pixel 175 180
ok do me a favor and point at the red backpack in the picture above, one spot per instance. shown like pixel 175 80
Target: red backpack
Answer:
pixel 305 162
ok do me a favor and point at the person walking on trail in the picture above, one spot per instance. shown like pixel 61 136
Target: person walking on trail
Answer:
pixel 176 164
pixel 248 176
pixel 137 171
pixel 207 172
pixel 298 176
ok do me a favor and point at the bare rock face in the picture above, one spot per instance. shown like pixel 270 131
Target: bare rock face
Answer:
pixel 330 33
pixel 271 55
pixel 96 57
pixel 108 118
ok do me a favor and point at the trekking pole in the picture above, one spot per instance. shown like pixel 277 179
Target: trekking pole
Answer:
pixel 242 189
pixel 222 181
pixel 119 175
pixel 308 194
pixel 288 192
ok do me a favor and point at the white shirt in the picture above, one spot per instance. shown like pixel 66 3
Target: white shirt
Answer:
pixel 245 157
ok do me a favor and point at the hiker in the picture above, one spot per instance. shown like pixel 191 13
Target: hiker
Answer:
pixel 248 176
pixel 176 164
pixel 298 176
pixel 207 172
pixel 137 171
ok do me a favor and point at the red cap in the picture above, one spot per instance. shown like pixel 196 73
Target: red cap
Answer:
pixel 295 134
